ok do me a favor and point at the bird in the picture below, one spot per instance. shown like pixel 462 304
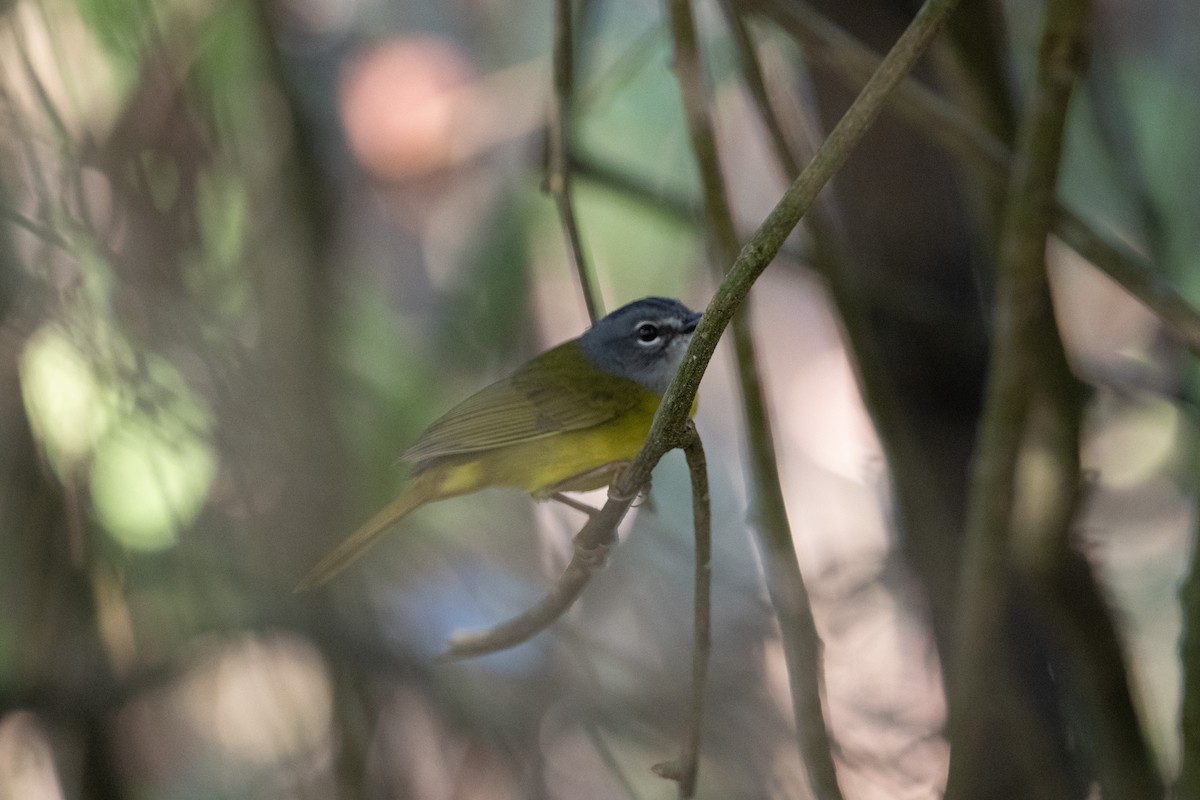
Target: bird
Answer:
pixel 568 420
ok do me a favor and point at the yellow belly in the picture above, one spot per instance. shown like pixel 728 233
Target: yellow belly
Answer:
pixel 542 466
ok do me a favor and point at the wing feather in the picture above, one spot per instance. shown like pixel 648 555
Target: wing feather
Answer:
pixel 548 395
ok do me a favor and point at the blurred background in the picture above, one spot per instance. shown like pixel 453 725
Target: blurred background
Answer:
pixel 250 250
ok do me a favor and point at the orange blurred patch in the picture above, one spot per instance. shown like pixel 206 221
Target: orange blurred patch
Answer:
pixel 398 105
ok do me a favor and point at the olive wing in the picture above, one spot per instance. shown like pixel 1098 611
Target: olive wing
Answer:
pixel 557 391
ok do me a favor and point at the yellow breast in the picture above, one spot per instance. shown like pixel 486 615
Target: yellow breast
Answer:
pixel 555 462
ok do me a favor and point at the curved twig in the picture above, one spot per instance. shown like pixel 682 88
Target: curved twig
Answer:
pixel 665 433
pixel 591 545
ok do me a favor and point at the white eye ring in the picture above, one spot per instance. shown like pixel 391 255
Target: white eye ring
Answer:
pixel 647 332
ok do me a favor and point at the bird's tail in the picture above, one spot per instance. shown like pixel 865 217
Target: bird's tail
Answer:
pixel 416 492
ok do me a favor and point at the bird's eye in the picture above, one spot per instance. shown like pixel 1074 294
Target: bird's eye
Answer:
pixel 647 332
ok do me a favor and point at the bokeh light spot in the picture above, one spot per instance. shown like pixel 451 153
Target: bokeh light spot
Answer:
pixel 397 105
pixel 68 407
pixel 148 480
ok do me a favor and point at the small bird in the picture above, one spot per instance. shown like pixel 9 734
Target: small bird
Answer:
pixel 568 420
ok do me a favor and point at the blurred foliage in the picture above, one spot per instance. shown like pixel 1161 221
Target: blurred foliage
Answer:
pixel 219 329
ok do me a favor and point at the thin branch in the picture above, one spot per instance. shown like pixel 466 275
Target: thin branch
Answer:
pixel 559 177
pixel 1136 275
pixel 756 83
pixel 686 767
pixel 609 759
pixel 38 88
pixel 592 543
pixel 693 452
pixel 933 116
pixel 785 582
pixel 600 531
pixel 1026 337
pixel 1187 784
pixel 918 503
pixel 43 232
pixel 662 199
pixel 554 603
pixel 1069 604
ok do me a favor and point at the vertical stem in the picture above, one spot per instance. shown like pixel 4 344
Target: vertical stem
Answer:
pixel 1187 785
pixel 559 175
pixel 693 451
pixel 1026 341
pixel 785 583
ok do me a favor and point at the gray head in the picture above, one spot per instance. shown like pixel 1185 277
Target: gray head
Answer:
pixel 643 341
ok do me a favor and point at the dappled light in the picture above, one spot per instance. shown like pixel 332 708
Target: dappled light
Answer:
pixel 249 252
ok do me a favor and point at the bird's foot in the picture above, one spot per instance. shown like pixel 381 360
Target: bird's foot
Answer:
pixel 571 502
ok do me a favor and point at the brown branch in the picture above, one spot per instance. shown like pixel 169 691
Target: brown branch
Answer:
pixel 1187 784
pixel 43 232
pixel 558 178
pixel 918 504
pixel 599 532
pixel 660 198
pixel 756 83
pixel 686 767
pixel 1068 602
pixel 932 115
pixel 1026 340
pixel 1136 275
pixel 785 582
pixel 591 543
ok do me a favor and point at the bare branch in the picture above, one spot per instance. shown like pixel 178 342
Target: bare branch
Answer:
pixel 591 546
pixel 933 116
pixel 1026 339
pixel 599 532
pixel 559 175
pixel 785 583
pixel 685 768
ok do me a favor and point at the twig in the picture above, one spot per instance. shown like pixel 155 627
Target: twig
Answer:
pixel 757 85
pixel 660 198
pixel 1187 784
pixel 919 504
pixel 693 452
pixel 785 583
pixel 1070 604
pixel 1068 600
pixel 592 729
pixel 933 116
pixel 593 540
pixel 1026 338
pixel 1136 275
pixel 559 176
pixel 599 532
pixel 43 232
pixel 686 767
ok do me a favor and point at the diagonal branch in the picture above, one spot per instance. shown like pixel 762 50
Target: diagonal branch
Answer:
pixel 785 582
pixel 934 116
pixel 600 531
pixel 597 535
